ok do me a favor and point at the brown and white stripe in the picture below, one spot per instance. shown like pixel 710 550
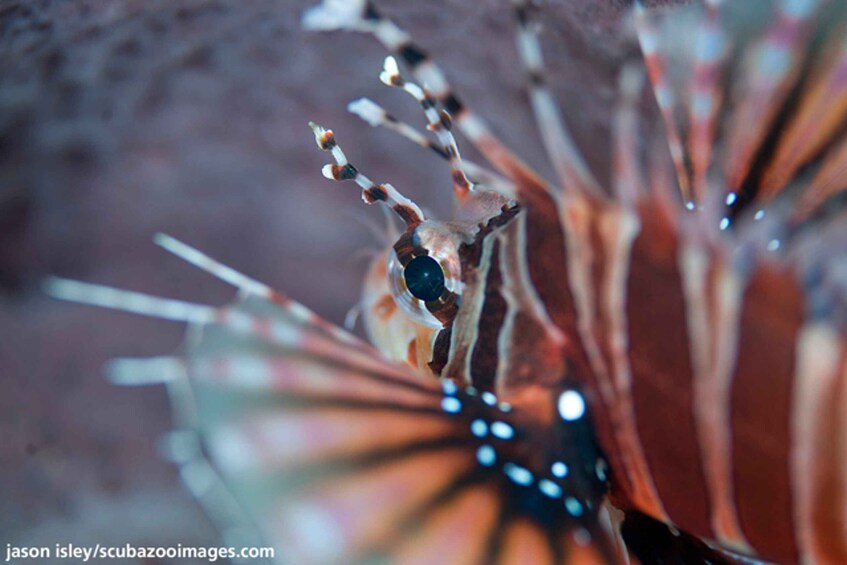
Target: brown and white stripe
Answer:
pixel 376 115
pixel 427 72
pixel 371 192
pixel 438 122
pixel 719 388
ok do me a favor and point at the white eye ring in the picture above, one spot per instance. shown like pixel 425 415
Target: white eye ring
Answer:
pixel 414 307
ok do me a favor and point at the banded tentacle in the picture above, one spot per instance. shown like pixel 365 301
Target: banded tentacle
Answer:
pixel 438 122
pixel 376 115
pixel 363 16
pixel 371 192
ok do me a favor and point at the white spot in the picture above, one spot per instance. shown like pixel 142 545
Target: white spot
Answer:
pixel 326 171
pixel 549 488
pixel 673 531
pixel 479 428
pixel 451 405
pixel 518 474
pixel 449 387
pixel 731 198
pixel 759 215
pixel 390 70
pixel 486 456
pixel 502 430
pixel 689 205
pixel 559 469
pixel 773 245
pixel 573 506
pixel 471 391
pixel 489 398
pixel 505 407
pixel 724 224
pixel 571 405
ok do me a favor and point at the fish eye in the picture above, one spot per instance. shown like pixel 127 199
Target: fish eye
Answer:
pixel 426 285
pixel 424 278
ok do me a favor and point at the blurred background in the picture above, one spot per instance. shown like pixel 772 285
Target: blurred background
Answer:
pixel 122 118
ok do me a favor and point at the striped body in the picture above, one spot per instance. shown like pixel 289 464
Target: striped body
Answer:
pixel 704 416
pixel 717 386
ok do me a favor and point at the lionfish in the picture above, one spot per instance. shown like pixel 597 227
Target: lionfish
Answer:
pixel 652 371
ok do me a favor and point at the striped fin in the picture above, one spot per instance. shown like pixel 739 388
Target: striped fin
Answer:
pixel 384 467
pixel 822 109
pixel 376 115
pixel 363 16
pixel 572 171
pixel 655 55
pixel 250 287
pixel 385 475
pixel 215 268
pixel 706 96
pixel 341 456
pixel 628 175
pixel 761 95
pixel 731 301
pixel 128 301
pixel 827 183
pixel 768 71
pixel 183 446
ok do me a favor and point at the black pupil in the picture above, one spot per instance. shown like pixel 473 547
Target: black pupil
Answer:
pixel 424 278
